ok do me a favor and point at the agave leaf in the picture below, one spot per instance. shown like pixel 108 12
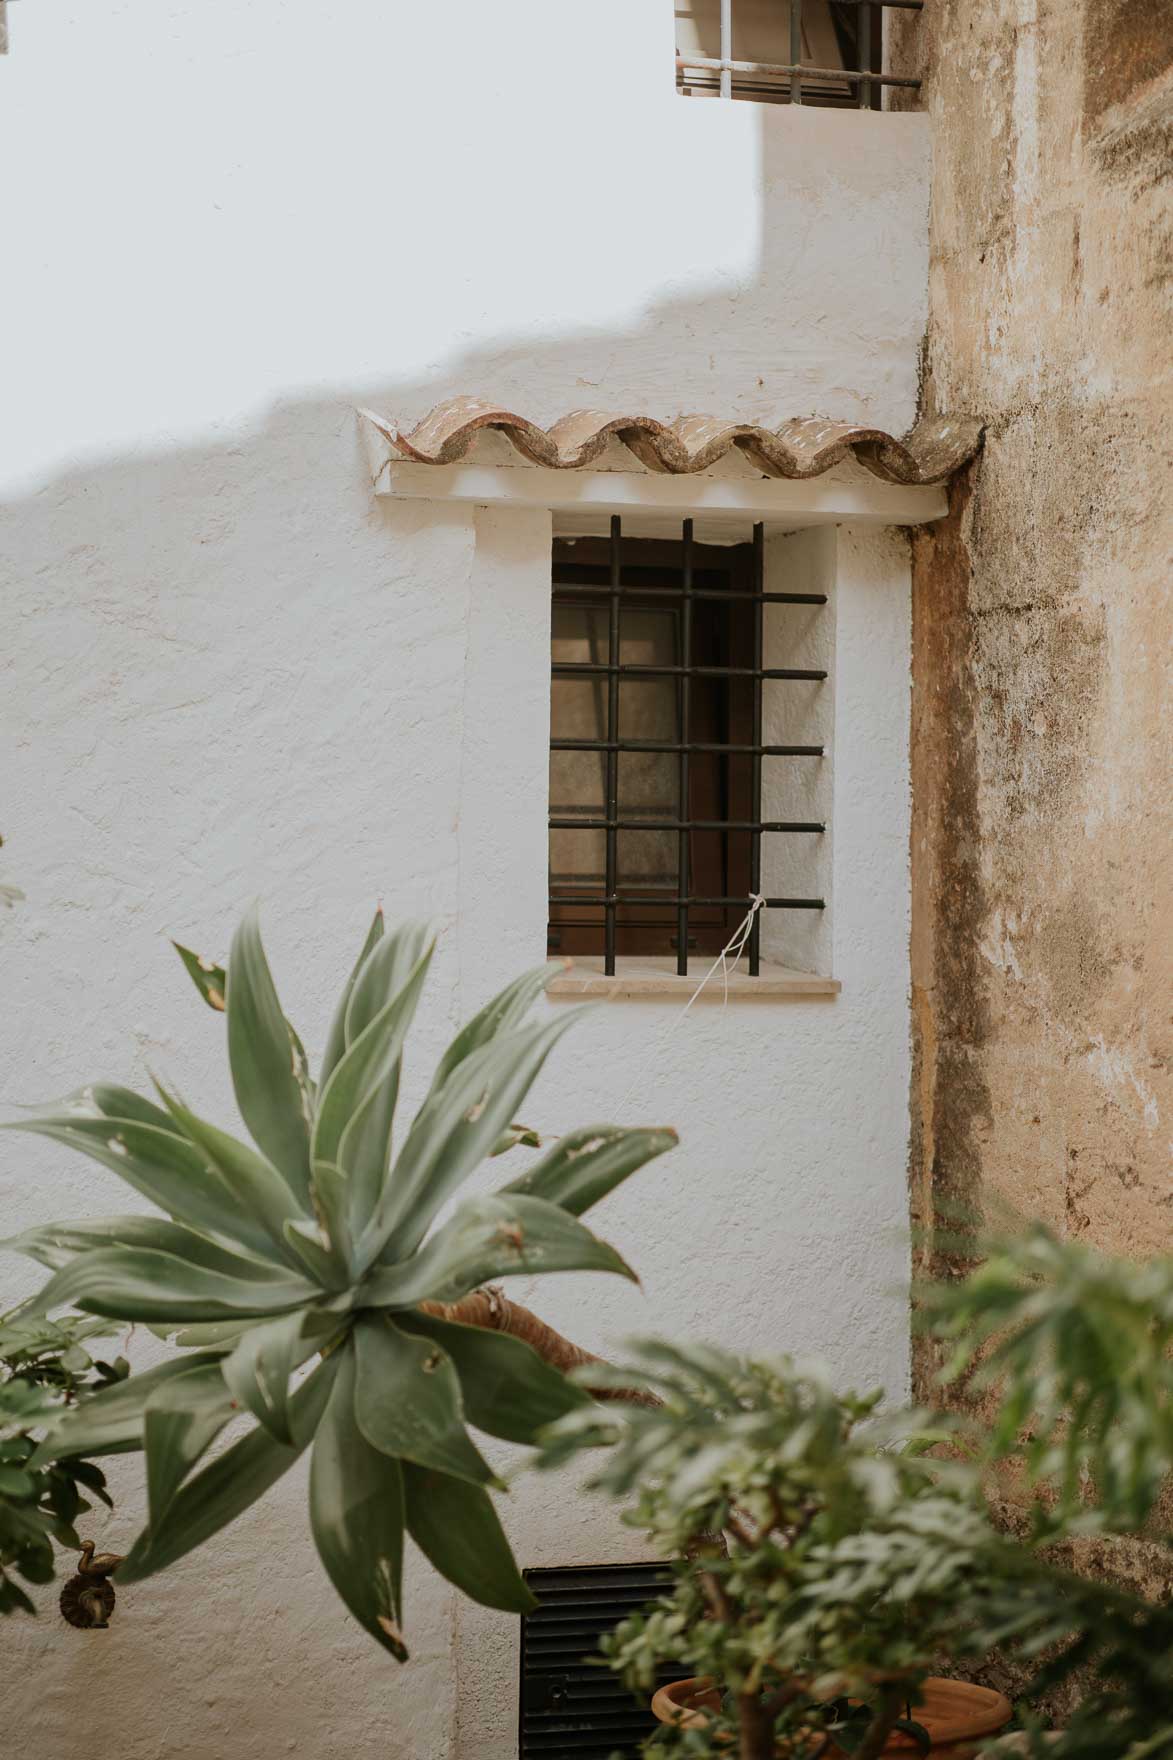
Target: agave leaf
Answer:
pixel 506 1011
pixel 182 1418
pixel 135 1283
pixel 455 1526
pixel 332 1195
pixel 264 1063
pixel 585 1165
pixel 206 1333
pixel 357 1515
pixel 59 1243
pixel 255 1182
pixel 208 978
pixel 485 1238
pixel 113 1420
pixel 336 1037
pixel 165 1168
pixel 385 972
pixel 106 1100
pixel 229 1484
pixel 257 1372
pixel 517 1136
pixel 453 1131
pixel 358 1103
pixel 507 1389
pixel 305 1239
pixel 407 1402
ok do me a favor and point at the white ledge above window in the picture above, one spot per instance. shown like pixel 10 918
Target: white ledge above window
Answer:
pixel 723 475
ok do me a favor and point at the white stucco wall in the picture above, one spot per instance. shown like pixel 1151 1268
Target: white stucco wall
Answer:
pixel 227 672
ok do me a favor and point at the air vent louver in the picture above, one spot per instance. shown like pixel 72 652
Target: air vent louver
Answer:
pixel 571 1708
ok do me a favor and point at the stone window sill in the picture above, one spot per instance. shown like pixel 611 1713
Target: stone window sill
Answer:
pixel 585 979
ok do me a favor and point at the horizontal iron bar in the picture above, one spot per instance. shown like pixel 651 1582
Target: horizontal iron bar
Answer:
pixel 568 590
pixel 600 669
pixel 683 825
pixel 663 745
pixel 771 904
pixel 783 70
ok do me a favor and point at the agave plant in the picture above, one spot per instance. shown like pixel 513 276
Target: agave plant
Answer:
pixel 315 1244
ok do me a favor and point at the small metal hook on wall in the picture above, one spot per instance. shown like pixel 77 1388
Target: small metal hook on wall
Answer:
pixel 87 1600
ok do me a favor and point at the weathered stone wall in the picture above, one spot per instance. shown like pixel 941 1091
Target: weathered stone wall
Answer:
pixel 1041 779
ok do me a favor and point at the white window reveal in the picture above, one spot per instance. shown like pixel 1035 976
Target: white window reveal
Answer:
pixel 823 52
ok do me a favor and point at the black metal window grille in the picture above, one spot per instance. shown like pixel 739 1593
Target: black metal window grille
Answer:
pixel 573 1707
pixel 656 747
pixel 829 52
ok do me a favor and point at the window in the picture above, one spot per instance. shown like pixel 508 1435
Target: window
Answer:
pixel 656 746
pixel 826 52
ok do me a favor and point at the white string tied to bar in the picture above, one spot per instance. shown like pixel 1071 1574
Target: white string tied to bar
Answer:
pixel 731 952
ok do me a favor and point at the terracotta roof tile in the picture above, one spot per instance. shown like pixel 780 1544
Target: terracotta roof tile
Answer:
pixel 803 447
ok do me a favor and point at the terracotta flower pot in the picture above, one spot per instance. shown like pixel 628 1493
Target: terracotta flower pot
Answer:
pixel 955 1713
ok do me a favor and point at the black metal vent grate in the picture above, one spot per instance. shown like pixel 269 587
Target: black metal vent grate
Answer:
pixel 572 1708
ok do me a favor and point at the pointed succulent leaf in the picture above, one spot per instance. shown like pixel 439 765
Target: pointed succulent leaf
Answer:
pixel 254 1182
pixel 486 1238
pixel 453 1132
pixel 384 973
pixel 264 1063
pixel 456 1528
pixel 336 1037
pixel 257 1371
pixel 357 1515
pixel 507 1389
pixel 208 978
pixel 106 1100
pixel 135 1283
pixel 585 1165
pixel 307 1242
pixel 113 1419
pixel 163 1167
pixel 229 1484
pixel 332 1201
pixel 407 1402
pixel 58 1243
pixel 206 1334
pixel 506 1011
pixel 517 1136
pixel 358 1102
pixel 182 1418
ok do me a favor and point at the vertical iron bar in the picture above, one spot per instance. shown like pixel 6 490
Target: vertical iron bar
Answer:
pixel 795 50
pixel 683 876
pixel 755 860
pixel 864 53
pixel 726 48
pixel 612 753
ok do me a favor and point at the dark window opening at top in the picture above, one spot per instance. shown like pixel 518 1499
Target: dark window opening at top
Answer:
pixel 828 53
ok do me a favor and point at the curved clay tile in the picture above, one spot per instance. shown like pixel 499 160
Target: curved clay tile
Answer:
pixel 802 447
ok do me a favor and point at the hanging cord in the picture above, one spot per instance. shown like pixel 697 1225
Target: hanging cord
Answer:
pixel 729 954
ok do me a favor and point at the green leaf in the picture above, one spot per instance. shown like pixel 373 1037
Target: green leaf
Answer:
pixel 485 1238
pixel 306 1240
pixel 332 1202
pixel 357 1105
pixel 505 1011
pixel 264 1063
pixel 133 1283
pixel 113 1420
pixel 16 1482
pixel 336 1037
pixel 106 1100
pixel 229 1484
pixel 254 1182
pixel 507 1389
pixel 357 1515
pixel 208 978
pixel 517 1136
pixel 585 1165
pixel 181 1419
pixel 59 1243
pixel 164 1167
pixel 259 1368
pixel 407 1402
pixel 455 1526
pixel 453 1131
